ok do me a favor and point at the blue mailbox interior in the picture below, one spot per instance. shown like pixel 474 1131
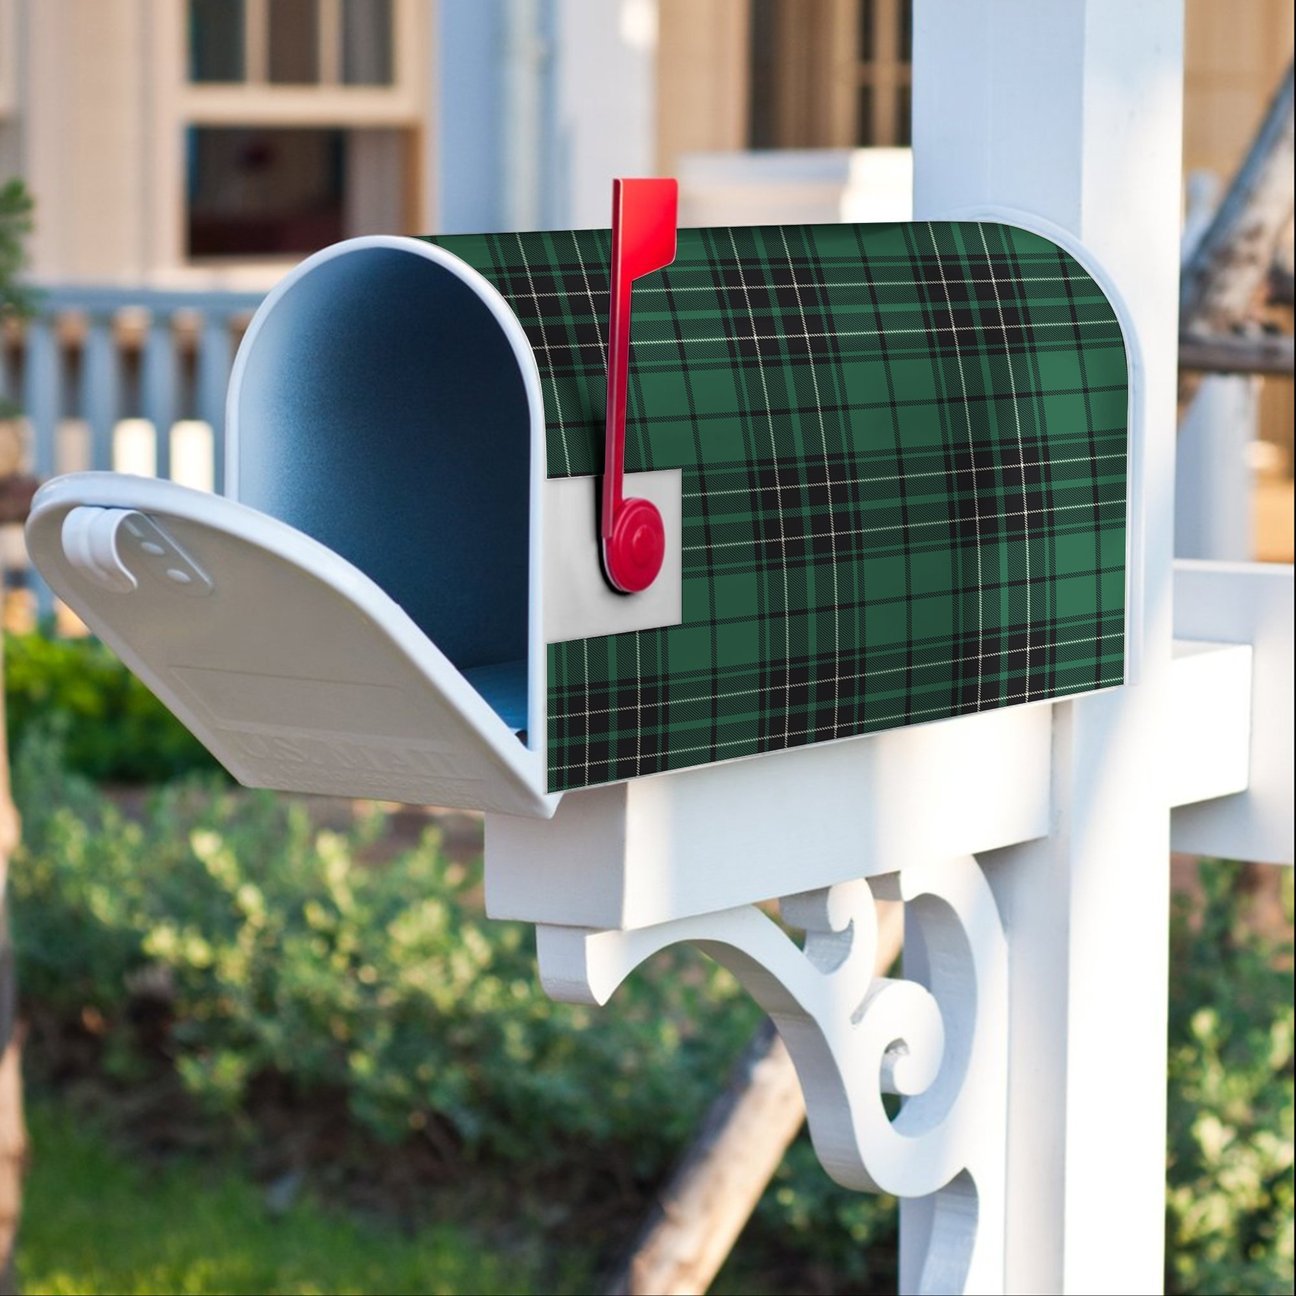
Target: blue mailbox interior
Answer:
pixel 382 411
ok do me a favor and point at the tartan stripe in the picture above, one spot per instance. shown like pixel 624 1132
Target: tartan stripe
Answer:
pixel 903 451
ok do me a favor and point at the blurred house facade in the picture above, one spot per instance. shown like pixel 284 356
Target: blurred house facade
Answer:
pixel 213 142
pixel 203 146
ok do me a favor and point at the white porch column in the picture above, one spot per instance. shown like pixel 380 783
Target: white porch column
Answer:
pixel 1072 110
pixel 1214 510
pixel 605 77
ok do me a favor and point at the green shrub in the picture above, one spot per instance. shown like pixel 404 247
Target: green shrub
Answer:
pixel 17 300
pixel 282 954
pixel 1229 1200
pixel 113 728
pixel 846 1239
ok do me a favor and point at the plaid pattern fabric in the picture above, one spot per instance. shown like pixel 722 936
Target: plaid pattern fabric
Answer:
pixel 904 463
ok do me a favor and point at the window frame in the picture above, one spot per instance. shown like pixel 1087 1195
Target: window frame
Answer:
pixel 255 100
pixel 181 103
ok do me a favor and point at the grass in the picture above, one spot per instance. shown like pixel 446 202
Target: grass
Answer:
pixel 95 1221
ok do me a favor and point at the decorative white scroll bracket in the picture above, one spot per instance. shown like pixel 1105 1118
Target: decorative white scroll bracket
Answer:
pixel 936 1037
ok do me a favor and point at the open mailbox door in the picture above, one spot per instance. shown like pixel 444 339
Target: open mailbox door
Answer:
pixel 293 667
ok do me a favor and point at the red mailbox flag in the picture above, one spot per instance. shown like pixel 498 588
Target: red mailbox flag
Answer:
pixel 644 218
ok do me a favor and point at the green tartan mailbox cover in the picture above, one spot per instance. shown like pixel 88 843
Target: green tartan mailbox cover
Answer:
pixel 904 461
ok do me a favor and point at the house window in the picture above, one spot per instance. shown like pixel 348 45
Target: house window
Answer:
pixel 216 46
pixel 291 42
pixel 264 192
pixel 884 70
pixel 301 123
pixel 293 52
pixel 830 73
pixel 256 192
pixel 367 41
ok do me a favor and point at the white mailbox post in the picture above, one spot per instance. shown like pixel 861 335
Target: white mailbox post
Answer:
pixel 1032 1156
pixel 1074 111
pixel 323 635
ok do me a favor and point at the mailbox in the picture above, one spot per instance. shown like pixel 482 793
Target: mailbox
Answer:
pixel 887 466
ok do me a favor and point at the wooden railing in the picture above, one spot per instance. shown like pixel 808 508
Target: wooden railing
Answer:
pixel 125 379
